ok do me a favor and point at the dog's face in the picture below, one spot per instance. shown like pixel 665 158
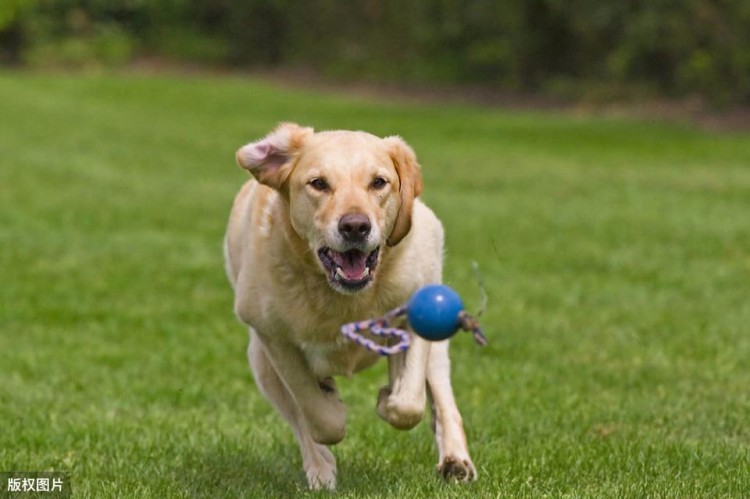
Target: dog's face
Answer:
pixel 349 194
pixel 344 200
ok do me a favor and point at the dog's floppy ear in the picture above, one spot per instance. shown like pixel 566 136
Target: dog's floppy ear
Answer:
pixel 410 178
pixel 270 158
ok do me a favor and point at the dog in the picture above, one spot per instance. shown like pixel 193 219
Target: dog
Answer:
pixel 331 231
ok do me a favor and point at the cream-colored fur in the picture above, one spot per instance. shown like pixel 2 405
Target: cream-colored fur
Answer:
pixel 305 183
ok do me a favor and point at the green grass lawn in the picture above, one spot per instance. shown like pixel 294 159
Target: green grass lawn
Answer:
pixel 616 256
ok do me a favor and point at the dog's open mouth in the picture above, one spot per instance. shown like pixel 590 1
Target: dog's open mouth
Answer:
pixel 351 270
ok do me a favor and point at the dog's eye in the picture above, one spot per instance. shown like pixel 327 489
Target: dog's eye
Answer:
pixel 378 183
pixel 319 184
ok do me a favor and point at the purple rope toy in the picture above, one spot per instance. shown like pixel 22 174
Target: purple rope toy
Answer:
pixel 434 312
pixel 379 327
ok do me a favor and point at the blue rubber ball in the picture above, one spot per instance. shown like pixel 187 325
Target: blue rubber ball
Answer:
pixel 433 312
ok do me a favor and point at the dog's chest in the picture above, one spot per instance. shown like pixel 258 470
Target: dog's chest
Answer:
pixel 337 359
pixel 311 315
pixel 328 352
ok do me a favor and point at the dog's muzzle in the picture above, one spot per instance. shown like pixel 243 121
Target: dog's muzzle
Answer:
pixel 351 270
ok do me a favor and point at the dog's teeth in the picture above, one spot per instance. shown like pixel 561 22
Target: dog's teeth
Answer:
pixel 340 273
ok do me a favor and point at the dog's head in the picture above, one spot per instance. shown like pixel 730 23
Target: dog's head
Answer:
pixel 349 194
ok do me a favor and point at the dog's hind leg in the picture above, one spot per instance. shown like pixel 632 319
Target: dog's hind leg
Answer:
pixel 402 402
pixel 317 400
pixel 454 462
pixel 317 460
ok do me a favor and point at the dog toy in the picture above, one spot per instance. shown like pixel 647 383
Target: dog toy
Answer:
pixel 435 313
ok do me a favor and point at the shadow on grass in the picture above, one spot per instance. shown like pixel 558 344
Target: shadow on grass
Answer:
pixel 277 472
pixel 240 472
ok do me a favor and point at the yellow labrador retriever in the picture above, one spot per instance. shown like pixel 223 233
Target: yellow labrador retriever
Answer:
pixel 329 232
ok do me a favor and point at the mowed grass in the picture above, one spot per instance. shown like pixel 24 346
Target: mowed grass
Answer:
pixel 616 256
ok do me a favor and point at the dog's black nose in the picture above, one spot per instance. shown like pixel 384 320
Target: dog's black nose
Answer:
pixel 355 227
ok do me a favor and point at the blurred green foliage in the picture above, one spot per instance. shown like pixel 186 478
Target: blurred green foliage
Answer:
pixel 666 47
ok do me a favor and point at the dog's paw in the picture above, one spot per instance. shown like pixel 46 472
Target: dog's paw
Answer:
pixel 326 420
pixel 328 428
pixel 321 469
pixel 321 479
pixel 401 413
pixel 457 469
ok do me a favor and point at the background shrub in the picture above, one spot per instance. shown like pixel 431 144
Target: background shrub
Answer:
pixel 667 47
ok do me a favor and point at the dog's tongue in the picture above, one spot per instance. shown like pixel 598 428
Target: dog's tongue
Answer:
pixel 352 263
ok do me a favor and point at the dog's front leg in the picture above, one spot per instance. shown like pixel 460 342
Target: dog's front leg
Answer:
pixel 454 462
pixel 318 461
pixel 321 408
pixel 402 402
